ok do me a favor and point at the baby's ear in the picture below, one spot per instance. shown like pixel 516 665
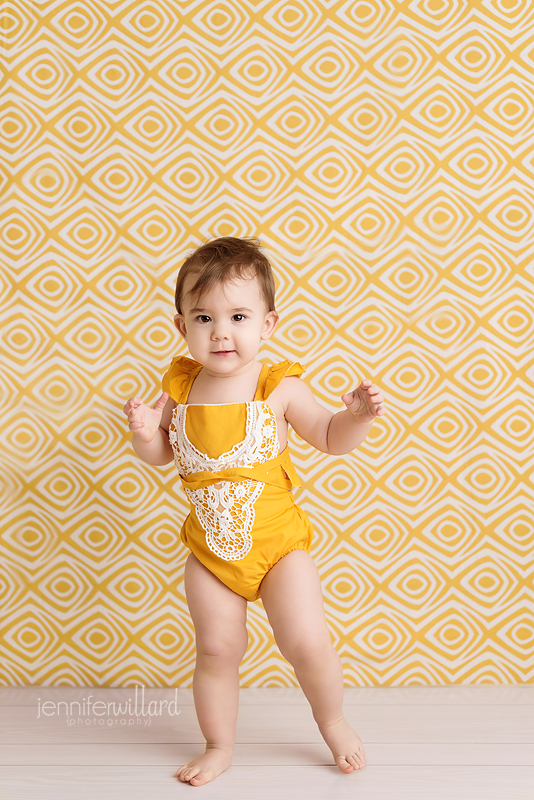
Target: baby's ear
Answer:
pixel 271 321
pixel 179 324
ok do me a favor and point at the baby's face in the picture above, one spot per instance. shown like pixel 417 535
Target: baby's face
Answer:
pixel 225 327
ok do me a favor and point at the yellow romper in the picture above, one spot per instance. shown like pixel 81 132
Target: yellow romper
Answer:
pixel 243 517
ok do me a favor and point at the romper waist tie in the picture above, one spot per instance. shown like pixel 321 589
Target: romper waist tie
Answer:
pixel 268 472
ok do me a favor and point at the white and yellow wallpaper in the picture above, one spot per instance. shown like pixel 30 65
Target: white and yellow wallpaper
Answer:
pixel 382 151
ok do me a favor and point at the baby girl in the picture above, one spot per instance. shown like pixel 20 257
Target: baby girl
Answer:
pixel 223 418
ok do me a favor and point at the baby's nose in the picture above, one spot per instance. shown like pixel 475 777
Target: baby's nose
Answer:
pixel 219 332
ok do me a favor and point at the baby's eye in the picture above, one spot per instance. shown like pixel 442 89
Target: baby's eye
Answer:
pixel 239 315
pixel 203 317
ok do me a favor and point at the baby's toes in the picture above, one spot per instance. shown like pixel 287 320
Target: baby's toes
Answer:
pixel 344 764
pixel 185 773
pixel 356 760
pixel 198 780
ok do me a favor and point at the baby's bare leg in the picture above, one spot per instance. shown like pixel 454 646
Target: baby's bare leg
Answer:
pixel 293 600
pixel 219 616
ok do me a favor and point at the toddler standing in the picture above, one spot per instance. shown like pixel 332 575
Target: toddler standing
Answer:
pixel 223 418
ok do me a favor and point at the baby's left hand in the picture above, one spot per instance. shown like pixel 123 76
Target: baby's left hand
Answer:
pixel 365 403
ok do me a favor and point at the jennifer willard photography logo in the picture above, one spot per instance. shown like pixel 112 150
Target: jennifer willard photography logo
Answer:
pixel 128 712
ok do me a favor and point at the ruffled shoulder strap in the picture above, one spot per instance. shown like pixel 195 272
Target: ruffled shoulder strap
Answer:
pixel 272 374
pixel 179 377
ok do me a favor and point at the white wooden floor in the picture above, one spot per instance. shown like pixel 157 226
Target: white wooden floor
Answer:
pixel 442 743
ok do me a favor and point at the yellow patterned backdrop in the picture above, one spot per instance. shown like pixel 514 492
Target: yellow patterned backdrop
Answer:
pixel 383 152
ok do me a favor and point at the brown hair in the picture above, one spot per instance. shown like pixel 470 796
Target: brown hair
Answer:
pixel 220 260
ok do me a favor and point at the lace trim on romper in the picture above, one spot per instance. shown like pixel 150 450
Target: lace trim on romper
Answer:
pixel 225 509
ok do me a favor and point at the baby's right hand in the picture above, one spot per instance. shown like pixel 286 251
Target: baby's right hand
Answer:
pixel 144 421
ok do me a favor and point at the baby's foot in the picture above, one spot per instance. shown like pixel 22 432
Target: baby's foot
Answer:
pixel 206 767
pixel 345 744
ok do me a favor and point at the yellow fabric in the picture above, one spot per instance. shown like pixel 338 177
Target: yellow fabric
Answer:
pixel 280 526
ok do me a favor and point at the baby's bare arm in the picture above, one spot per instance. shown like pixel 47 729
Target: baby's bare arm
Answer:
pixel 345 433
pixel 335 434
pixel 157 452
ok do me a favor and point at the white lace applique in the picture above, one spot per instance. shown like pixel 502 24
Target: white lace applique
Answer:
pixel 226 509
pixel 226 512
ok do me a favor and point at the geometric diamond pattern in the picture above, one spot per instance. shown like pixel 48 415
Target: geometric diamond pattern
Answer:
pixel 382 152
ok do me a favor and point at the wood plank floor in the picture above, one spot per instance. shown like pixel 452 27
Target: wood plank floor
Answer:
pixel 422 743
